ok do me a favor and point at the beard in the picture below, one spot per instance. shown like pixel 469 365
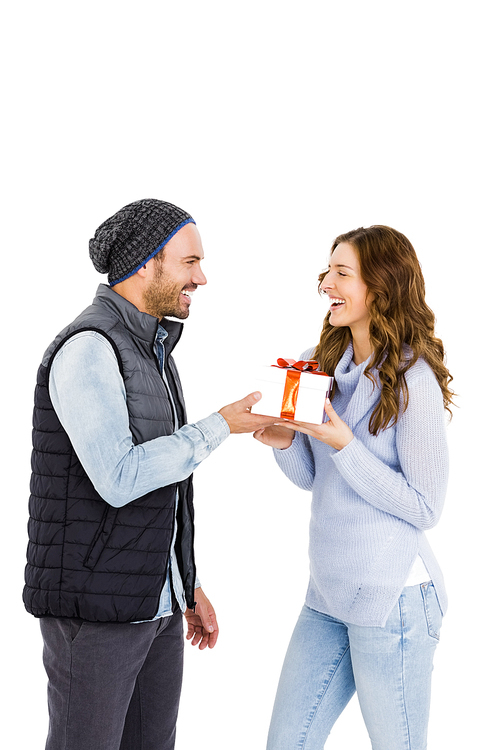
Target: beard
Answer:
pixel 162 297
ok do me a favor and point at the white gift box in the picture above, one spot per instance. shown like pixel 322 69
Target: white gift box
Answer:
pixel 312 391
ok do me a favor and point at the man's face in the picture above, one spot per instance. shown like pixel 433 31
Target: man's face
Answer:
pixel 176 276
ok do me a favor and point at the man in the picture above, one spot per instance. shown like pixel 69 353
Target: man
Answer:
pixel 110 557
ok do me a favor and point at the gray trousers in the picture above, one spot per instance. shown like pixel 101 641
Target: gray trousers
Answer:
pixel 113 686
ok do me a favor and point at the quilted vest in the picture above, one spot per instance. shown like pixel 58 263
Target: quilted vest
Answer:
pixel 86 558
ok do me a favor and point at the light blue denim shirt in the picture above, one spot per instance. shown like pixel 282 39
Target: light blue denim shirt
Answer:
pixel 88 395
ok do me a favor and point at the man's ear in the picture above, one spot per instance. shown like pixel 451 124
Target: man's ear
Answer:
pixel 144 270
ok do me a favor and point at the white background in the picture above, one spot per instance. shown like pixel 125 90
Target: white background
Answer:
pixel 277 125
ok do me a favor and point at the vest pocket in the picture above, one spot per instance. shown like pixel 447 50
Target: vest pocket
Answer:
pixel 101 538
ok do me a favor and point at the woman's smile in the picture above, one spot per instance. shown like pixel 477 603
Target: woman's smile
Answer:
pixel 336 303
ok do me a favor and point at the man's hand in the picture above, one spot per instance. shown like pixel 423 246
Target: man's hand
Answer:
pixel 202 623
pixel 239 417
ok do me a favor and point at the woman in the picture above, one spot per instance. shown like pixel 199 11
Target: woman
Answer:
pixel 377 469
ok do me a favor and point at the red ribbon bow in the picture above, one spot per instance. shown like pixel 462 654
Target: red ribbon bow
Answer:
pixel 304 365
pixel 292 382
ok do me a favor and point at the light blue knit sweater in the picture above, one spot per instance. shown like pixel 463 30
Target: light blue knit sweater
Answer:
pixel 373 500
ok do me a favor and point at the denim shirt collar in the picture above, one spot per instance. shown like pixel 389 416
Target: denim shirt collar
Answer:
pixel 172 331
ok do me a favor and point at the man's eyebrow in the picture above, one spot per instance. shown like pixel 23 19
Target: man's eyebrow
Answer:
pixel 193 257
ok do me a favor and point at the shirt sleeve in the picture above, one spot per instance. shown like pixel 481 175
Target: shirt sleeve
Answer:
pixel 88 394
pixel 416 490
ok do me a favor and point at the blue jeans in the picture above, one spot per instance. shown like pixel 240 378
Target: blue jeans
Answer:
pixel 390 668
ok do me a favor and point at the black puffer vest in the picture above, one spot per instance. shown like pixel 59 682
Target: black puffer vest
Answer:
pixel 87 559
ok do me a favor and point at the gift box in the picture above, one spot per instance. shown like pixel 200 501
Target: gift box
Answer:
pixel 293 390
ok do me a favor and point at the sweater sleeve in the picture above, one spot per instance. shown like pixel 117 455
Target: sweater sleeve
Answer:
pixel 416 490
pixel 297 461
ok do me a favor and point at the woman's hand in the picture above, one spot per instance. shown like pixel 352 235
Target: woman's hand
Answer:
pixel 276 436
pixel 335 432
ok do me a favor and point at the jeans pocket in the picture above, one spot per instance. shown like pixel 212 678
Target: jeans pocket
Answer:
pixel 433 613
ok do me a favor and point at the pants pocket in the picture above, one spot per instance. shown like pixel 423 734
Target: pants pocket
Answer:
pixel 432 609
pixel 74 627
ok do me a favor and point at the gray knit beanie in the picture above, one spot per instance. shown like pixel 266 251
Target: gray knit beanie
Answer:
pixel 134 235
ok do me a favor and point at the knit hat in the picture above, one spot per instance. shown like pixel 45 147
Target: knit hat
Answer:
pixel 134 235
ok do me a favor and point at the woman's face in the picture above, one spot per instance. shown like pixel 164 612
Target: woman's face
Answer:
pixel 347 292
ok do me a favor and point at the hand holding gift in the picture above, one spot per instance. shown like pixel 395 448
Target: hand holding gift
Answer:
pixel 294 390
pixel 275 436
pixel 335 432
pixel 239 416
pixel 299 393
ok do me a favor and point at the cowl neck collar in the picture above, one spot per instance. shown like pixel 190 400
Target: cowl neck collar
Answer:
pixel 355 394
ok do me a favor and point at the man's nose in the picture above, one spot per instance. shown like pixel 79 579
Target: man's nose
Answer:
pixel 199 277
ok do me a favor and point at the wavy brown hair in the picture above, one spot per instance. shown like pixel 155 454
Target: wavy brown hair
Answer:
pixel 399 318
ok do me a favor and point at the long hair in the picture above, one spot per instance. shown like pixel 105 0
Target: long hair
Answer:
pixel 401 323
